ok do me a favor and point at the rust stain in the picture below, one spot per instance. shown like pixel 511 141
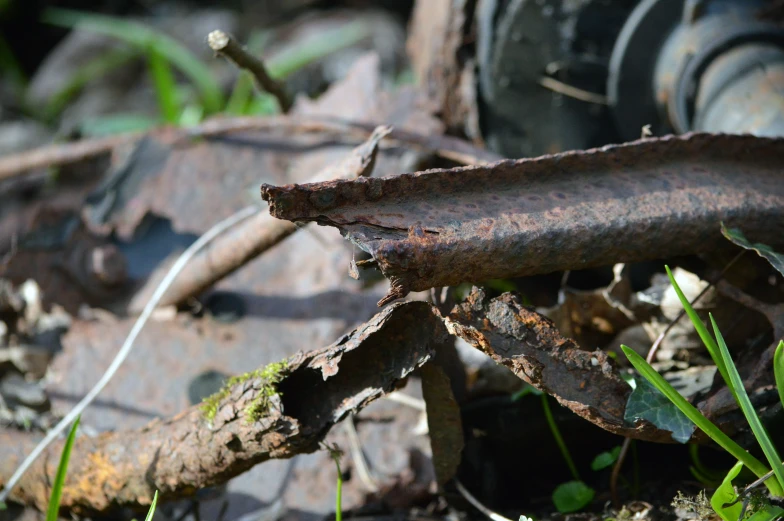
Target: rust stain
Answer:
pixel 643 200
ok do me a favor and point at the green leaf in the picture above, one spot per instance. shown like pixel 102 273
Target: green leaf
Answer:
pixel 606 459
pixel 59 478
pixel 767 513
pixel 748 410
pixel 713 432
pixel 725 495
pixel 736 236
pixel 778 370
pixel 151 512
pixel 142 36
pixel 648 403
pixel 707 339
pixel 572 496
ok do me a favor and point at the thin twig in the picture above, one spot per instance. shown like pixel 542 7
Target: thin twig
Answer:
pixel 355 448
pixel 128 344
pixel 404 399
pixel 60 153
pixel 571 91
pixel 495 516
pixel 448 147
pixel 682 313
pixel 228 47
pixel 616 472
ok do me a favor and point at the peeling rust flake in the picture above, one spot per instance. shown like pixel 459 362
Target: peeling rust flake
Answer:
pixel 648 199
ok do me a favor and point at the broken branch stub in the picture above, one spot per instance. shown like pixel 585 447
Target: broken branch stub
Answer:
pixel 204 446
pixel 528 343
pixel 643 200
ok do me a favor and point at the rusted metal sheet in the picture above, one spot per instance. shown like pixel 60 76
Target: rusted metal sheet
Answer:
pixel 647 199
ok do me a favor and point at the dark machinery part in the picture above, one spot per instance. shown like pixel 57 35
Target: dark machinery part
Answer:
pixel 676 65
pixel 711 65
pixel 522 42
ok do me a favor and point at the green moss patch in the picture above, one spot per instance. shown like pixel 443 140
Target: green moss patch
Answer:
pixel 269 375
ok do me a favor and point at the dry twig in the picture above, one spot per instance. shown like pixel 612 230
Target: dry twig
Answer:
pixel 228 47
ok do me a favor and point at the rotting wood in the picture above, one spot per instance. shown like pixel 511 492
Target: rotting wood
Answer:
pixel 184 453
pixel 643 200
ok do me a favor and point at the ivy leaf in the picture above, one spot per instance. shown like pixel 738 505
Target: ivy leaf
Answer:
pixel 647 403
pixel 763 250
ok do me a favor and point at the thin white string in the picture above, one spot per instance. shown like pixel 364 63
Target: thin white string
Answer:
pixel 129 342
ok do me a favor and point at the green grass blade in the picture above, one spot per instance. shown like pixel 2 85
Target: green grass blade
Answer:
pixel 702 331
pixel 767 513
pixel 315 48
pixel 83 75
pixel 691 412
pixel 748 410
pixel 548 414
pixel 10 66
pixel 165 85
pixel 335 453
pixel 778 370
pixel 59 478
pixel 142 36
pixel 151 512
pixel 241 94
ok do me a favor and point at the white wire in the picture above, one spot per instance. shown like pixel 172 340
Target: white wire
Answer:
pixel 128 344
pixel 479 506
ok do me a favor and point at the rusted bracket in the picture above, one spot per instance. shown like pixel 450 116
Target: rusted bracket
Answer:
pixel 648 199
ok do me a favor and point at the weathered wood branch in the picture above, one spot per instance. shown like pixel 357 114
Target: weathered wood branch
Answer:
pixel 179 455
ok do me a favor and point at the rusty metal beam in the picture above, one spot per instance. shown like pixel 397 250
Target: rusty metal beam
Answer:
pixel 643 200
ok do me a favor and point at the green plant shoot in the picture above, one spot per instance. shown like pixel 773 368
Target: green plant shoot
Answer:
pixel 702 331
pixel 151 512
pixel 59 478
pixel 725 494
pixel 691 412
pixel 778 370
pixel 748 409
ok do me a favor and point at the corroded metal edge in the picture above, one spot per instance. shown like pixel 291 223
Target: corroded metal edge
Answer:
pixel 642 200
